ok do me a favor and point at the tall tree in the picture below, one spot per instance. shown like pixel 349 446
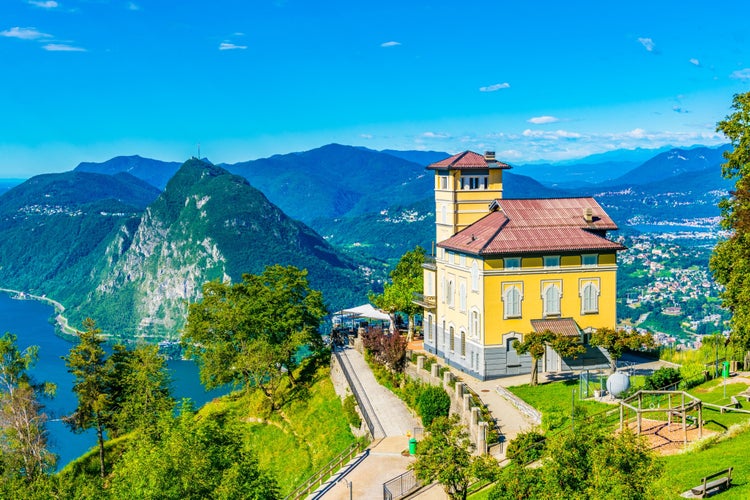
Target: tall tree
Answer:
pixel 617 341
pixel 730 262
pixel 445 456
pixel 138 387
pixel 535 344
pixel 87 361
pixel 249 333
pixel 23 437
pixel 406 279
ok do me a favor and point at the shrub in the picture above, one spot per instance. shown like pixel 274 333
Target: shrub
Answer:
pixel 433 402
pixel 693 373
pixel 350 410
pixel 526 448
pixel 662 378
pixel 410 392
pixel 554 418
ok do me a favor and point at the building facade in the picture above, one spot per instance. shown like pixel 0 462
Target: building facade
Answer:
pixel 507 267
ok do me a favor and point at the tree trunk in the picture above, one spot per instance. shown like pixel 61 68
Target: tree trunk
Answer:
pixel 613 363
pixel 534 371
pixel 410 331
pixel 100 438
pixel 392 322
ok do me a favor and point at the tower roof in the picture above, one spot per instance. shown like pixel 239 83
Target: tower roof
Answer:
pixel 537 226
pixel 468 160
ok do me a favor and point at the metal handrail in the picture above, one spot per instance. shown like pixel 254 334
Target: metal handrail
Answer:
pixel 368 412
pixel 325 472
pixel 405 483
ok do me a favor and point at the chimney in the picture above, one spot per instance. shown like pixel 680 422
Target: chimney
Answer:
pixel 588 214
pixel 489 156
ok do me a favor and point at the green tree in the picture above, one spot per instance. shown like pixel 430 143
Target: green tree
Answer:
pixel 445 456
pixel 407 278
pixel 138 387
pixel 192 458
pixel 730 261
pixel 23 438
pixel 249 333
pixel 616 341
pixel 535 344
pixel 87 361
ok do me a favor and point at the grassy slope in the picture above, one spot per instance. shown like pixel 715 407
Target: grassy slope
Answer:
pixel 684 470
pixel 293 443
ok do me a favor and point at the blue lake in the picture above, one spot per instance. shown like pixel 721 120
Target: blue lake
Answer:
pixel 31 322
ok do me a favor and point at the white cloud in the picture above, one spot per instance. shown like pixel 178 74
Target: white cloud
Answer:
pixel 133 6
pixel 366 136
pixel 62 47
pixel 647 43
pixel 48 4
pixel 695 61
pixel 741 74
pixel 24 33
pixel 495 87
pixel 231 46
pixel 557 134
pixel 435 135
pixel 539 120
pixel 390 44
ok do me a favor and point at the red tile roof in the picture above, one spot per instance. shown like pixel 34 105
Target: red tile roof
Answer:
pixel 536 226
pixel 467 160
pixel 560 326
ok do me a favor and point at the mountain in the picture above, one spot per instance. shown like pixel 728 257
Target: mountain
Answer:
pixel 419 157
pixel 53 225
pixel 334 181
pixel 671 163
pixel 207 224
pixel 390 232
pixel 155 172
pixel 575 175
pixel 116 249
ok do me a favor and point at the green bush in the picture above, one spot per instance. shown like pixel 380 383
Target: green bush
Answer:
pixel 410 392
pixel 526 448
pixel 693 373
pixel 433 402
pixel 350 410
pixel 554 418
pixel 662 378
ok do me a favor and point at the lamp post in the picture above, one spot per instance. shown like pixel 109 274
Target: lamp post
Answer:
pixel 348 485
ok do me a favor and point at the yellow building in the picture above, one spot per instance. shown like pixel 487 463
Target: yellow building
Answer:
pixel 506 267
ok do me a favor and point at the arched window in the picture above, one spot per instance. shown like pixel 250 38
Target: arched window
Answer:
pixel 474 277
pixel 463 343
pixel 449 293
pixel 452 341
pixel 474 327
pixel 590 297
pixel 462 296
pixel 512 302
pixel 552 300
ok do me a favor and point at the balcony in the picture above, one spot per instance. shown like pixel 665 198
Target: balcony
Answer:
pixel 429 263
pixel 426 301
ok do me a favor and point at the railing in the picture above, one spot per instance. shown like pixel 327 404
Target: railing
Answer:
pixel 400 486
pixel 314 481
pixel 429 262
pixel 368 412
pixel 427 301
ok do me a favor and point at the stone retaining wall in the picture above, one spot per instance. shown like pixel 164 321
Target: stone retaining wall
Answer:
pixel 534 415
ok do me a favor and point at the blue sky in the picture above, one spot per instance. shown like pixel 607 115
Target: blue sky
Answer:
pixel 85 80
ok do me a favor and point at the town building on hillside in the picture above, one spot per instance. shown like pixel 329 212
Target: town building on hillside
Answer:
pixel 507 267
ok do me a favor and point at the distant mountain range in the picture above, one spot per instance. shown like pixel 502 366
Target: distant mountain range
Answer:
pixel 118 250
pixel 131 240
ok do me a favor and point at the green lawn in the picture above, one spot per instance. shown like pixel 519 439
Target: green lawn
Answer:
pixel 686 470
pixel 558 398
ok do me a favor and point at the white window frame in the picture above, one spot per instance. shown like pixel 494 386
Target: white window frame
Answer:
pixel 450 291
pixel 548 310
pixel 462 295
pixel 474 277
pixel 512 306
pixel 593 291
pixel 475 323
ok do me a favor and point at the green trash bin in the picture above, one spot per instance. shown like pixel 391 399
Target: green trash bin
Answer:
pixel 412 446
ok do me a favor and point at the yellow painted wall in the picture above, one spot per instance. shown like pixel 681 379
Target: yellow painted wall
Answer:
pixel 532 278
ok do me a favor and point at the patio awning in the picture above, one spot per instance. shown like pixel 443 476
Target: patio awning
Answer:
pixel 561 326
pixel 364 311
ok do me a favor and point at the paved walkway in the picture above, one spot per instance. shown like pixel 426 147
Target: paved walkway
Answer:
pixel 392 415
